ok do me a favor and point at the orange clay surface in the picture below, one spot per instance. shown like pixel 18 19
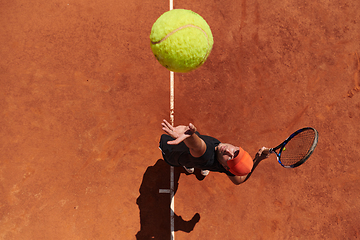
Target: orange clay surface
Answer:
pixel 82 98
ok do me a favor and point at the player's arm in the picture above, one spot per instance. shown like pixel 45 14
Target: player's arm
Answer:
pixel 237 180
pixel 196 145
pixel 261 155
pixel 185 134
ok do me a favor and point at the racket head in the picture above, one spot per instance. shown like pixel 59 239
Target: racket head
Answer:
pixel 297 148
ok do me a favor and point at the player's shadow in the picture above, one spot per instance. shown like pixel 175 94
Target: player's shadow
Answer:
pixel 155 207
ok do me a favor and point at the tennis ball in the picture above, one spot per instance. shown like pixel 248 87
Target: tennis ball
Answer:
pixel 181 40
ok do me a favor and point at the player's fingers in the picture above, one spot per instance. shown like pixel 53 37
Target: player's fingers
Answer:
pixel 167 130
pixel 168 124
pixel 174 142
pixel 177 140
pixel 192 127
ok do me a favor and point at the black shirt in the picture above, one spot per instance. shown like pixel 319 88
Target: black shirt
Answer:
pixel 179 155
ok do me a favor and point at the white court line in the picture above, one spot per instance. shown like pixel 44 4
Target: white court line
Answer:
pixel 172 106
pixel 172 190
pixel 164 190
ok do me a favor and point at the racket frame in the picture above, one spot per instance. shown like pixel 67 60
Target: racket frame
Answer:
pixel 283 144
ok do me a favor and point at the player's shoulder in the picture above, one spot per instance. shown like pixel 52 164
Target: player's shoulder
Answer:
pixel 209 139
pixel 210 142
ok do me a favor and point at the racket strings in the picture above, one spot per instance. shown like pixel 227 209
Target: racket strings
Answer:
pixel 297 148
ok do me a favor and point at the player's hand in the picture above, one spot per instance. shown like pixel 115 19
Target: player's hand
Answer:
pixel 263 153
pixel 179 133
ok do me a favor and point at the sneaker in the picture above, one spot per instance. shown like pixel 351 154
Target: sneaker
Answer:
pixel 189 170
pixel 205 172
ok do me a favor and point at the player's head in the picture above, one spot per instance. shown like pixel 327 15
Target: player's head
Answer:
pixel 226 152
pixel 234 159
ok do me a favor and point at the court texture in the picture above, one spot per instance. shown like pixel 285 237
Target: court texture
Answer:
pixel 82 99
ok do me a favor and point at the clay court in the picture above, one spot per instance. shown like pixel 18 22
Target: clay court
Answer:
pixel 82 99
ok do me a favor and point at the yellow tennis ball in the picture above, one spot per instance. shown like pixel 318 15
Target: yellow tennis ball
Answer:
pixel 181 40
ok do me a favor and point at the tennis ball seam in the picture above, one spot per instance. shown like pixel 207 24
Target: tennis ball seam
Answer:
pixel 183 27
pixel 180 28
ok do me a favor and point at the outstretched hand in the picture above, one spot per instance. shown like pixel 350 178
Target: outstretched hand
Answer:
pixel 179 133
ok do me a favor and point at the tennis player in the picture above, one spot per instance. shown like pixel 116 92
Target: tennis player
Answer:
pixel 184 146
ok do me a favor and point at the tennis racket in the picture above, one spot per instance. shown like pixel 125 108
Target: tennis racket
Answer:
pixel 297 148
